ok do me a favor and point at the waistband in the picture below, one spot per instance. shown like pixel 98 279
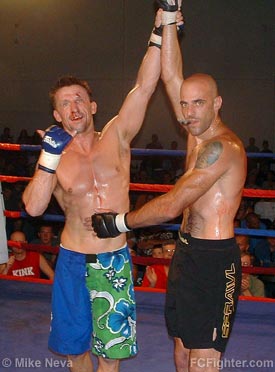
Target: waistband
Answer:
pixel 90 257
pixel 187 239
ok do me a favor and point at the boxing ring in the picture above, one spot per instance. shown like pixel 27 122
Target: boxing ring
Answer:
pixel 25 307
pixel 25 317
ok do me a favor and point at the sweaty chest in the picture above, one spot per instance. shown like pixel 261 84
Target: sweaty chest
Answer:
pixel 81 174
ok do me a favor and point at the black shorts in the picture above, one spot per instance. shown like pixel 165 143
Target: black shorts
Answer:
pixel 203 287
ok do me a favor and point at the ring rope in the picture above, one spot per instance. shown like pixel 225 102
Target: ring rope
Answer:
pixel 134 151
pixel 166 226
pixel 251 193
pixel 138 260
pixel 258 193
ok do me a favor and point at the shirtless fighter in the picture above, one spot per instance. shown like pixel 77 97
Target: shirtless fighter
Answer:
pixel 205 273
pixel 89 171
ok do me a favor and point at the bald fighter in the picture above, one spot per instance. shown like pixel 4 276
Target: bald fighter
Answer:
pixel 205 273
pixel 87 171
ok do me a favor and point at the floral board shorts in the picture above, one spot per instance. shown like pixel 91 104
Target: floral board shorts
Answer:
pixel 93 297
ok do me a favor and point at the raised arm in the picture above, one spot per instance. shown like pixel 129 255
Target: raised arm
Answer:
pixel 171 57
pixel 131 115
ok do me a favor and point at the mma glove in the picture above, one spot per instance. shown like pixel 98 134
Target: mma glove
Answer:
pixel 109 225
pixel 53 143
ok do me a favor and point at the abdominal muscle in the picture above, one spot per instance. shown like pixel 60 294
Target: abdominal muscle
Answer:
pixel 207 220
pixel 79 207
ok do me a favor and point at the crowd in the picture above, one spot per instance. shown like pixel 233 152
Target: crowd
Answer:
pixel 253 213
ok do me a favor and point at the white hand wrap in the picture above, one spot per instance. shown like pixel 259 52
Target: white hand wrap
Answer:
pixel 48 160
pixel 155 39
pixel 120 223
pixel 168 18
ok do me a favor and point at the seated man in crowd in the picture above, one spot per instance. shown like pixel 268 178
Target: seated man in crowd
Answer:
pixel 156 275
pixel 26 263
pixel 45 236
pixel 157 251
pixel 243 242
pixel 251 285
pixel 265 256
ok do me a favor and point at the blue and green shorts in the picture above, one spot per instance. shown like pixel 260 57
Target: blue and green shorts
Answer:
pixel 93 299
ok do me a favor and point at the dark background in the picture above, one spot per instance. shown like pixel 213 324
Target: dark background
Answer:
pixel 104 41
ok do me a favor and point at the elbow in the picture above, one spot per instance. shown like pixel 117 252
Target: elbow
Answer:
pixel 172 211
pixel 32 210
pixel 33 207
pixel 167 76
pixel 147 87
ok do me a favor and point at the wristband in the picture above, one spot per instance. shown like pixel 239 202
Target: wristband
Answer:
pixel 121 223
pixel 49 161
pixel 45 169
pixel 156 37
pixel 168 18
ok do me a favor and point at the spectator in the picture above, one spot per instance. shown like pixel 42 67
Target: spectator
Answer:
pixel 173 163
pixel 156 275
pixel 46 237
pixel 154 144
pixel 265 256
pixel 23 137
pixel 243 242
pixel 251 147
pixel 251 285
pixel 24 225
pixel 6 136
pixel 269 182
pixel 243 210
pixel 265 209
pixel 251 180
pixel 252 221
pixel 266 150
pixel 262 173
pixel 132 245
pixel 26 263
pixel 157 251
pixel 252 163
pixel 153 163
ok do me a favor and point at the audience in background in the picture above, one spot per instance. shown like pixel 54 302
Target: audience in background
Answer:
pixel 252 163
pixel 156 275
pixel 251 285
pixel 45 236
pixel 243 242
pixel 266 150
pixel 265 257
pixel 252 221
pixel 253 213
pixel 265 209
pixel 6 136
pixel 26 263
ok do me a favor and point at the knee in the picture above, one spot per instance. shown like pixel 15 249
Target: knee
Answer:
pixel 80 362
pixel 108 365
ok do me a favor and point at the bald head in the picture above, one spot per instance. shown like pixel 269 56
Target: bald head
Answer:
pixel 200 103
pixel 203 82
pixel 18 236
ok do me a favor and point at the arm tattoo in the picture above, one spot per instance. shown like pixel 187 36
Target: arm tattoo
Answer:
pixel 208 155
